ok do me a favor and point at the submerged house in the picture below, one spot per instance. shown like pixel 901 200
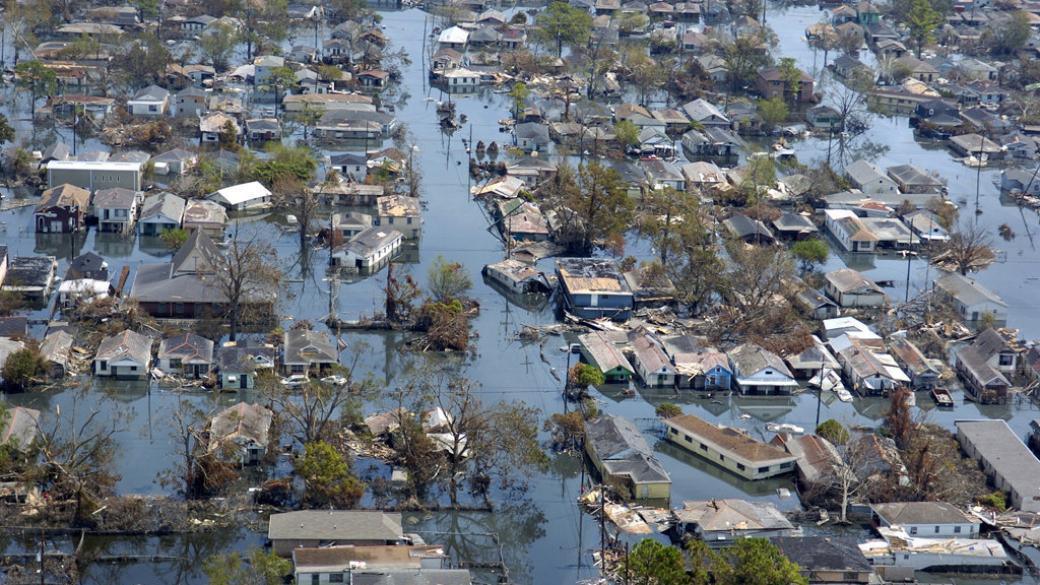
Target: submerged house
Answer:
pixel 62 210
pixel 601 352
pixel 650 359
pixel 594 288
pixel 698 366
pixel 969 298
pixel 240 433
pixel 757 370
pixel 729 448
pixel 827 560
pixel 625 460
pixel 1009 464
pixel 720 522
pixel 187 355
pixel 926 519
pixel 981 367
pixel 288 531
pixel 126 355
pixel 305 351
pixel 240 364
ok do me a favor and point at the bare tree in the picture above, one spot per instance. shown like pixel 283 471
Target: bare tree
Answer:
pixel 851 473
pixel 967 250
pixel 314 410
pixel 77 454
pixel 247 276
pixel 294 197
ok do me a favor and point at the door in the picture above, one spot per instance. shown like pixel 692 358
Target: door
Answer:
pixel 243 382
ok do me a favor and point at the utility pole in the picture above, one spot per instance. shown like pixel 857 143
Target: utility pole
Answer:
pixel 602 529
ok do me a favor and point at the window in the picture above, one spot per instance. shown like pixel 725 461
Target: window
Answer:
pixel 851 576
pixel 688 438
pixel 787 465
pixel 763 469
pixel 673 431
pixel 722 457
pixel 336 578
pixel 740 466
pixel 1007 359
pixel 956 529
pixel 704 447
pixel 913 530
pixel 314 579
pixel 937 530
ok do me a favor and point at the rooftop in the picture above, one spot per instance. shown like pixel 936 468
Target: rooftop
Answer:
pixel 733 440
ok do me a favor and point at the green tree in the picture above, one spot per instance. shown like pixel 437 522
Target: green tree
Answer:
pixel 759 174
pixel 562 23
pixel 281 79
pixel 773 111
pixel 143 61
pixel 327 477
pixel 83 47
pixel 448 281
pixel 810 253
pixel 284 162
pixel 6 130
pixel 36 78
pixel 791 75
pixel 627 133
pixel 261 568
pixel 519 93
pixel 665 212
pixel 744 58
pixel 217 44
pixel 668 410
pixel 344 10
pixel 602 209
pixel 833 431
pixel 21 367
pixel 1007 34
pixel 174 238
pixel 700 560
pixel 653 563
pixel 146 9
pixel 756 561
pixel 922 21
pixel 584 375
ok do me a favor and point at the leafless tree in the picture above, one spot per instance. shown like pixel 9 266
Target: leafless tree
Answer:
pixel 851 473
pixel 294 197
pixel 968 250
pixel 313 410
pixel 247 276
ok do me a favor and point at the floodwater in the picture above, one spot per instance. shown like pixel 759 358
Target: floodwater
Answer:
pixel 544 537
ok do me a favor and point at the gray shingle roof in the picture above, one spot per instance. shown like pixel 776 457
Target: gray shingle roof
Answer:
pixel 353 525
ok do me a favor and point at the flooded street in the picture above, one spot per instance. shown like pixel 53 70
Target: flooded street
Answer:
pixel 544 538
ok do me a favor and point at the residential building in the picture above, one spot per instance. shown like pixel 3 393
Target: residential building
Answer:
pixel 94 175
pixel 624 460
pixel 288 531
pixel 705 113
pixel 818 459
pixel 240 433
pixel 191 101
pixel 729 448
pixel 970 299
pixel 177 162
pixel 849 288
pixel 392 564
pixel 757 370
pixel 827 560
pixel 369 250
pixel 239 364
pixel 812 360
pixel 186 288
pixel 401 213
pixel 923 375
pixel 116 210
pixel 603 351
pixel 747 230
pixel 31 277
pixel 243 197
pixel 849 230
pixel 186 355
pixel 206 216
pixel 62 210
pixel 926 519
pixel 593 288
pixel 867 368
pixel 1008 463
pixel 721 522
pixel 868 178
pixel 152 101
pixel 126 355
pixel 914 180
pixel 305 351
pixel 982 366
pixel 771 84
pixel 650 359
pixel 56 351
pixel 161 212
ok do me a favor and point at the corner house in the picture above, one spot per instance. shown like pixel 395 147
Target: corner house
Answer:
pixel 730 448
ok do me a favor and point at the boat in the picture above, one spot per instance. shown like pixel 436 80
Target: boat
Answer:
pixel 942 397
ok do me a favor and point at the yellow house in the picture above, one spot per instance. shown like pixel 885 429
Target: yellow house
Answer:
pixel 625 461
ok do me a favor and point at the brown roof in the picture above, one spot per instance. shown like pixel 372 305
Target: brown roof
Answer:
pixel 733 440
pixel 373 556
pixel 65 196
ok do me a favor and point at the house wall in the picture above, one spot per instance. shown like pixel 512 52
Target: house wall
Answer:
pixel 595 305
pixel 722 538
pixel 95 179
pixel 155 226
pixel 724 458
pixel 931 530
pixel 62 220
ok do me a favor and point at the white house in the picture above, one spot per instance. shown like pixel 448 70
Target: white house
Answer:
pixel 116 210
pixel 369 249
pixel 650 360
pixel 461 79
pixel 152 101
pixel 453 38
pixel 934 519
pixel 849 288
pixel 757 370
pixel 867 368
pixel 242 197
pixel 161 212
pixel 970 299
pixel 124 355
pixel 849 230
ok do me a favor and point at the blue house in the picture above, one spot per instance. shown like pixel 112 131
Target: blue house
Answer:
pixel 698 366
pixel 594 287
